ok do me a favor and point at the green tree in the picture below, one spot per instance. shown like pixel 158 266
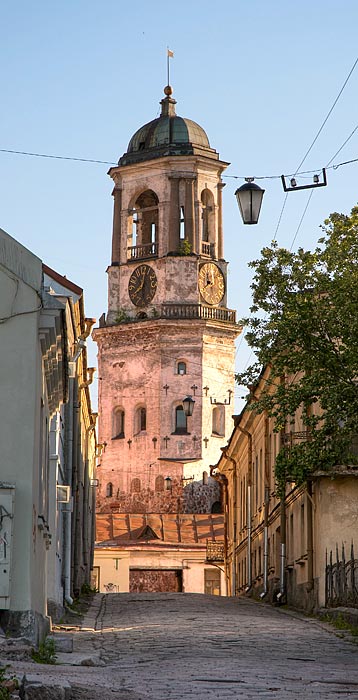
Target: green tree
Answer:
pixel 304 327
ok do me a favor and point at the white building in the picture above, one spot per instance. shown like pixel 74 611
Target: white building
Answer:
pixel 35 347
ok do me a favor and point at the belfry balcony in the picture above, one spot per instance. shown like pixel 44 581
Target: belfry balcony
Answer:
pixel 142 252
pixel 189 311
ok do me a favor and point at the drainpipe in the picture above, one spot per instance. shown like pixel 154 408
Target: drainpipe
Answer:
pixel 281 594
pixel 87 523
pixel 233 562
pixel 67 515
pixel 222 480
pixel 249 506
pixel 310 585
pixel 266 511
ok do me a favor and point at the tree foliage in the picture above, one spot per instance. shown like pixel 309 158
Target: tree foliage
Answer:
pixel 304 327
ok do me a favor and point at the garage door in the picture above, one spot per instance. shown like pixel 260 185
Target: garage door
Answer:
pixel 155 581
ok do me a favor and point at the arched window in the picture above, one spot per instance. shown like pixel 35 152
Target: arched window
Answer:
pixel 159 483
pixel 180 421
pixel 181 368
pixel 218 420
pixel 109 490
pixel 216 507
pixel 140 420
pixel 143 225
pixel 135 485
pixel 207 216
pixel 205 478
pixel 118 423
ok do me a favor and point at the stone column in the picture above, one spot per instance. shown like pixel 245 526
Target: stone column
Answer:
pixel 116 236
pixel 220 247
pixel 190 214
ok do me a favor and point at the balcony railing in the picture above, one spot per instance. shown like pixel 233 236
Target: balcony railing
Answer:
pixel 139 252
pixel 205 248
pixel 215 551
pixel 187 311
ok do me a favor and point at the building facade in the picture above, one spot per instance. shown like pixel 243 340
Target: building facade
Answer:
pixel 37 338
pixel 278 548
pixel 168 333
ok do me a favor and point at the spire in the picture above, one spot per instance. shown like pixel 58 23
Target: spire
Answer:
pixel 168 103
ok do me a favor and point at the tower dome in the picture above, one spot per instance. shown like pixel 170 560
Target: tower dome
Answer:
pixel 167 135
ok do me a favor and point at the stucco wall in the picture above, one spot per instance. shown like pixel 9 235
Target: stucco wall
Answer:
pixel 336 520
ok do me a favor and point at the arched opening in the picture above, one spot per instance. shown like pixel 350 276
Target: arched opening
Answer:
pixel 109 490
pixel 218 421
pixel 205 478
pixel 207 221
pixel 118 423
pixel 216 507
pixel 135 485
pixel 143 220
pixel 159 483
pixel 180 421
pixel 181 367
pixel 140 420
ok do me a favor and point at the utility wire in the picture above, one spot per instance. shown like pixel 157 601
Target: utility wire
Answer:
pixel 46 155
pixel 328 115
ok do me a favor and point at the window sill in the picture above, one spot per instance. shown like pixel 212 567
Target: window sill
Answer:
pixel 180 432
pixel 217 435
pixel 121 436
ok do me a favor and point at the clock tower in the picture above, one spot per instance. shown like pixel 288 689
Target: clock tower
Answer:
pixel 168 333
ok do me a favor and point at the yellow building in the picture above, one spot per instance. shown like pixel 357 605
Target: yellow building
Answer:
pixel 279 549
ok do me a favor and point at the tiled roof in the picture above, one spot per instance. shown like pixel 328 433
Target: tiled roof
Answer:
pixel 165 528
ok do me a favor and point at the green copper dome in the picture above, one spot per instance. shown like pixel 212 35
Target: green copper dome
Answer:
pixel 169 134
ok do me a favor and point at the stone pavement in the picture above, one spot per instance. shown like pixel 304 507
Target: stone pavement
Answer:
pixel 169 646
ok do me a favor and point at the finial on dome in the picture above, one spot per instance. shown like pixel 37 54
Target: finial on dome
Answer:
pixel 168 103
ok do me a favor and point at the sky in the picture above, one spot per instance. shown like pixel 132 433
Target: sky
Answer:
pixel 78 78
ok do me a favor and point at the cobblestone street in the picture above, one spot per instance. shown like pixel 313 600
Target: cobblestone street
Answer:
pixel 176 646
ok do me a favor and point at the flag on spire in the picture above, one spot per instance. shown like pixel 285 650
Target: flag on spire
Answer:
pixel 170 53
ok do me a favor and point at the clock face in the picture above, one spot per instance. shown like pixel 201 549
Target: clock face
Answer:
pixel 142 285
pixel 211 283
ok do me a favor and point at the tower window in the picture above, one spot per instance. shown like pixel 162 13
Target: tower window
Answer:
pixel 218 420
pixel 205 478
pixel 181 368
pixel 118 423
pixel 182 224
pixel 135 485
pixel 180 421
pixel 159 483
pixel 109 490
pixel 140 420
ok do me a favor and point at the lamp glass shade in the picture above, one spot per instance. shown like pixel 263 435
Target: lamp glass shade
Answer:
pixel 188 405
pixel 249 198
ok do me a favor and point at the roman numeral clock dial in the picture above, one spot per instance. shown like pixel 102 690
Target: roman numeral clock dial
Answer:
pixel 211 283
pixel 142 285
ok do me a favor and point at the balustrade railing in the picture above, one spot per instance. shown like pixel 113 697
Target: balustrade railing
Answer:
pixel 198 311
pixel 205 248
pixel 138 252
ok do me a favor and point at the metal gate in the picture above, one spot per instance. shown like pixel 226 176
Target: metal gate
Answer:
pixel 155 581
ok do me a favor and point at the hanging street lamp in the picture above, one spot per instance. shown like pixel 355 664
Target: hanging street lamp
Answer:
pixel 249 198
pixel 188 405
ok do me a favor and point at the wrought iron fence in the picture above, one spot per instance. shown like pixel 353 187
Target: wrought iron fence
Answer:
pixel 341 580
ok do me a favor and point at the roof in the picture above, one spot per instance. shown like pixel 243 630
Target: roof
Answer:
pixel 71 286
pixel 168 134
pixel 158 528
